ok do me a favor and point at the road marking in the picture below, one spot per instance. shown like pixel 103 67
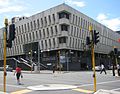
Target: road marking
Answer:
pixel 99 83
pixel 116 89
pixel 83 90
pixel 18 86
pixel 21 91
pixel 52 87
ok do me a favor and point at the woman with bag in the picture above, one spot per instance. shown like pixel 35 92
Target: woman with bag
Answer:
pixel 18 74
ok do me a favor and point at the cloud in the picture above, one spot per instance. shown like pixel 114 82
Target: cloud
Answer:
pixel 4 3
pixel 76 3
pixel 11 9
pixel 113 23
pixel 10 6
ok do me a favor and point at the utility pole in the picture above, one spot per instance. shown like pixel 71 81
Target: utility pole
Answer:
pixel 93 57
pixel 5 38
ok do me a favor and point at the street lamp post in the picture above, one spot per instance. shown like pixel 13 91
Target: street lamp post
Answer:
pixel 30 53
pixel 67 61
pixel 39 58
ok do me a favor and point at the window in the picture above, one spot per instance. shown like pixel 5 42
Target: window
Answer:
pixel 19 30
pixel 33 34
pixel 26 37
pixel 25 27
pixel 54 18
pixel 76 44
pixel 76 20
pixel 56 30
pixel 46 44
pixel 31 25
pixel 36 35
pixel 34 25
pixel 63 15
pixel 70 42
pixel 53 42
pixel 45 21
pixel 74 31
pixel 84 23
pixel 51 31
pixel 41 22
pixel 44 33
pixel 49 19
pixel 62 40
pixel 18 39
pixel 42 44
pixel 73 43
pixel 64 27
pixel 81 22
pixel 50 43
pixel 38 23
pixel 48 32
pixel 16 30
pixel 22 29
pixel 77 32
pixel 40 34
pixel 28 27
pixel 71 30
pixel 29 36
pixel 21 39
pixel 73 18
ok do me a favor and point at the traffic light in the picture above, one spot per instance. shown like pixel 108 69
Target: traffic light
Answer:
pixel 10 35
pixel 12 32
pixel 115 51
pixel 95 37
pixel 9 44
pixel 88 40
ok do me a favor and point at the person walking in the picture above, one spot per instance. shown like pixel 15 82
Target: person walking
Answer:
pixel 18 74
pixel 118 69
pixel 54 68
pixel 103 69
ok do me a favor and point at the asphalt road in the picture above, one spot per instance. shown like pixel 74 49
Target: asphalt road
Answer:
pixel 83 80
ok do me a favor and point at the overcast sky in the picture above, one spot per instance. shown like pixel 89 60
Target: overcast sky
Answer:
pixel 103 11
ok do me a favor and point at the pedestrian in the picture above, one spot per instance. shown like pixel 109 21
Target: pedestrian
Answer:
pixel 103 69
pixel 18 74
pixel 54 67
pixel 118 68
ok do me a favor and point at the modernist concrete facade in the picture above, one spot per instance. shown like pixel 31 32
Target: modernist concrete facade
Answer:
pixel 63 29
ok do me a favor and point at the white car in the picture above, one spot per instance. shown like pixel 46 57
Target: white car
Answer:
pixel 97 68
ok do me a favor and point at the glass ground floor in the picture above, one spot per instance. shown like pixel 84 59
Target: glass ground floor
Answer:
pixel 71 60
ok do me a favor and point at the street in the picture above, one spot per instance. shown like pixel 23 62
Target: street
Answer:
pixel 73 82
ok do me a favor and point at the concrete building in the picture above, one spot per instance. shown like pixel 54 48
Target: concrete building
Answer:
pixel 59 36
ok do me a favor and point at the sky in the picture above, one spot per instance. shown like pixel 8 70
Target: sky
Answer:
pixel 104 11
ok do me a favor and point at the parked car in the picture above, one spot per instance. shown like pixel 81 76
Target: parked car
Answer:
pixel 8 68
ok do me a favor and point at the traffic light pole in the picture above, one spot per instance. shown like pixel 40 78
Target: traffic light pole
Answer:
pixel 93 58
pixel 6 24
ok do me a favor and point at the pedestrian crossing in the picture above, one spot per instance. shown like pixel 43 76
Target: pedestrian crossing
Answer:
pixel 26 91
